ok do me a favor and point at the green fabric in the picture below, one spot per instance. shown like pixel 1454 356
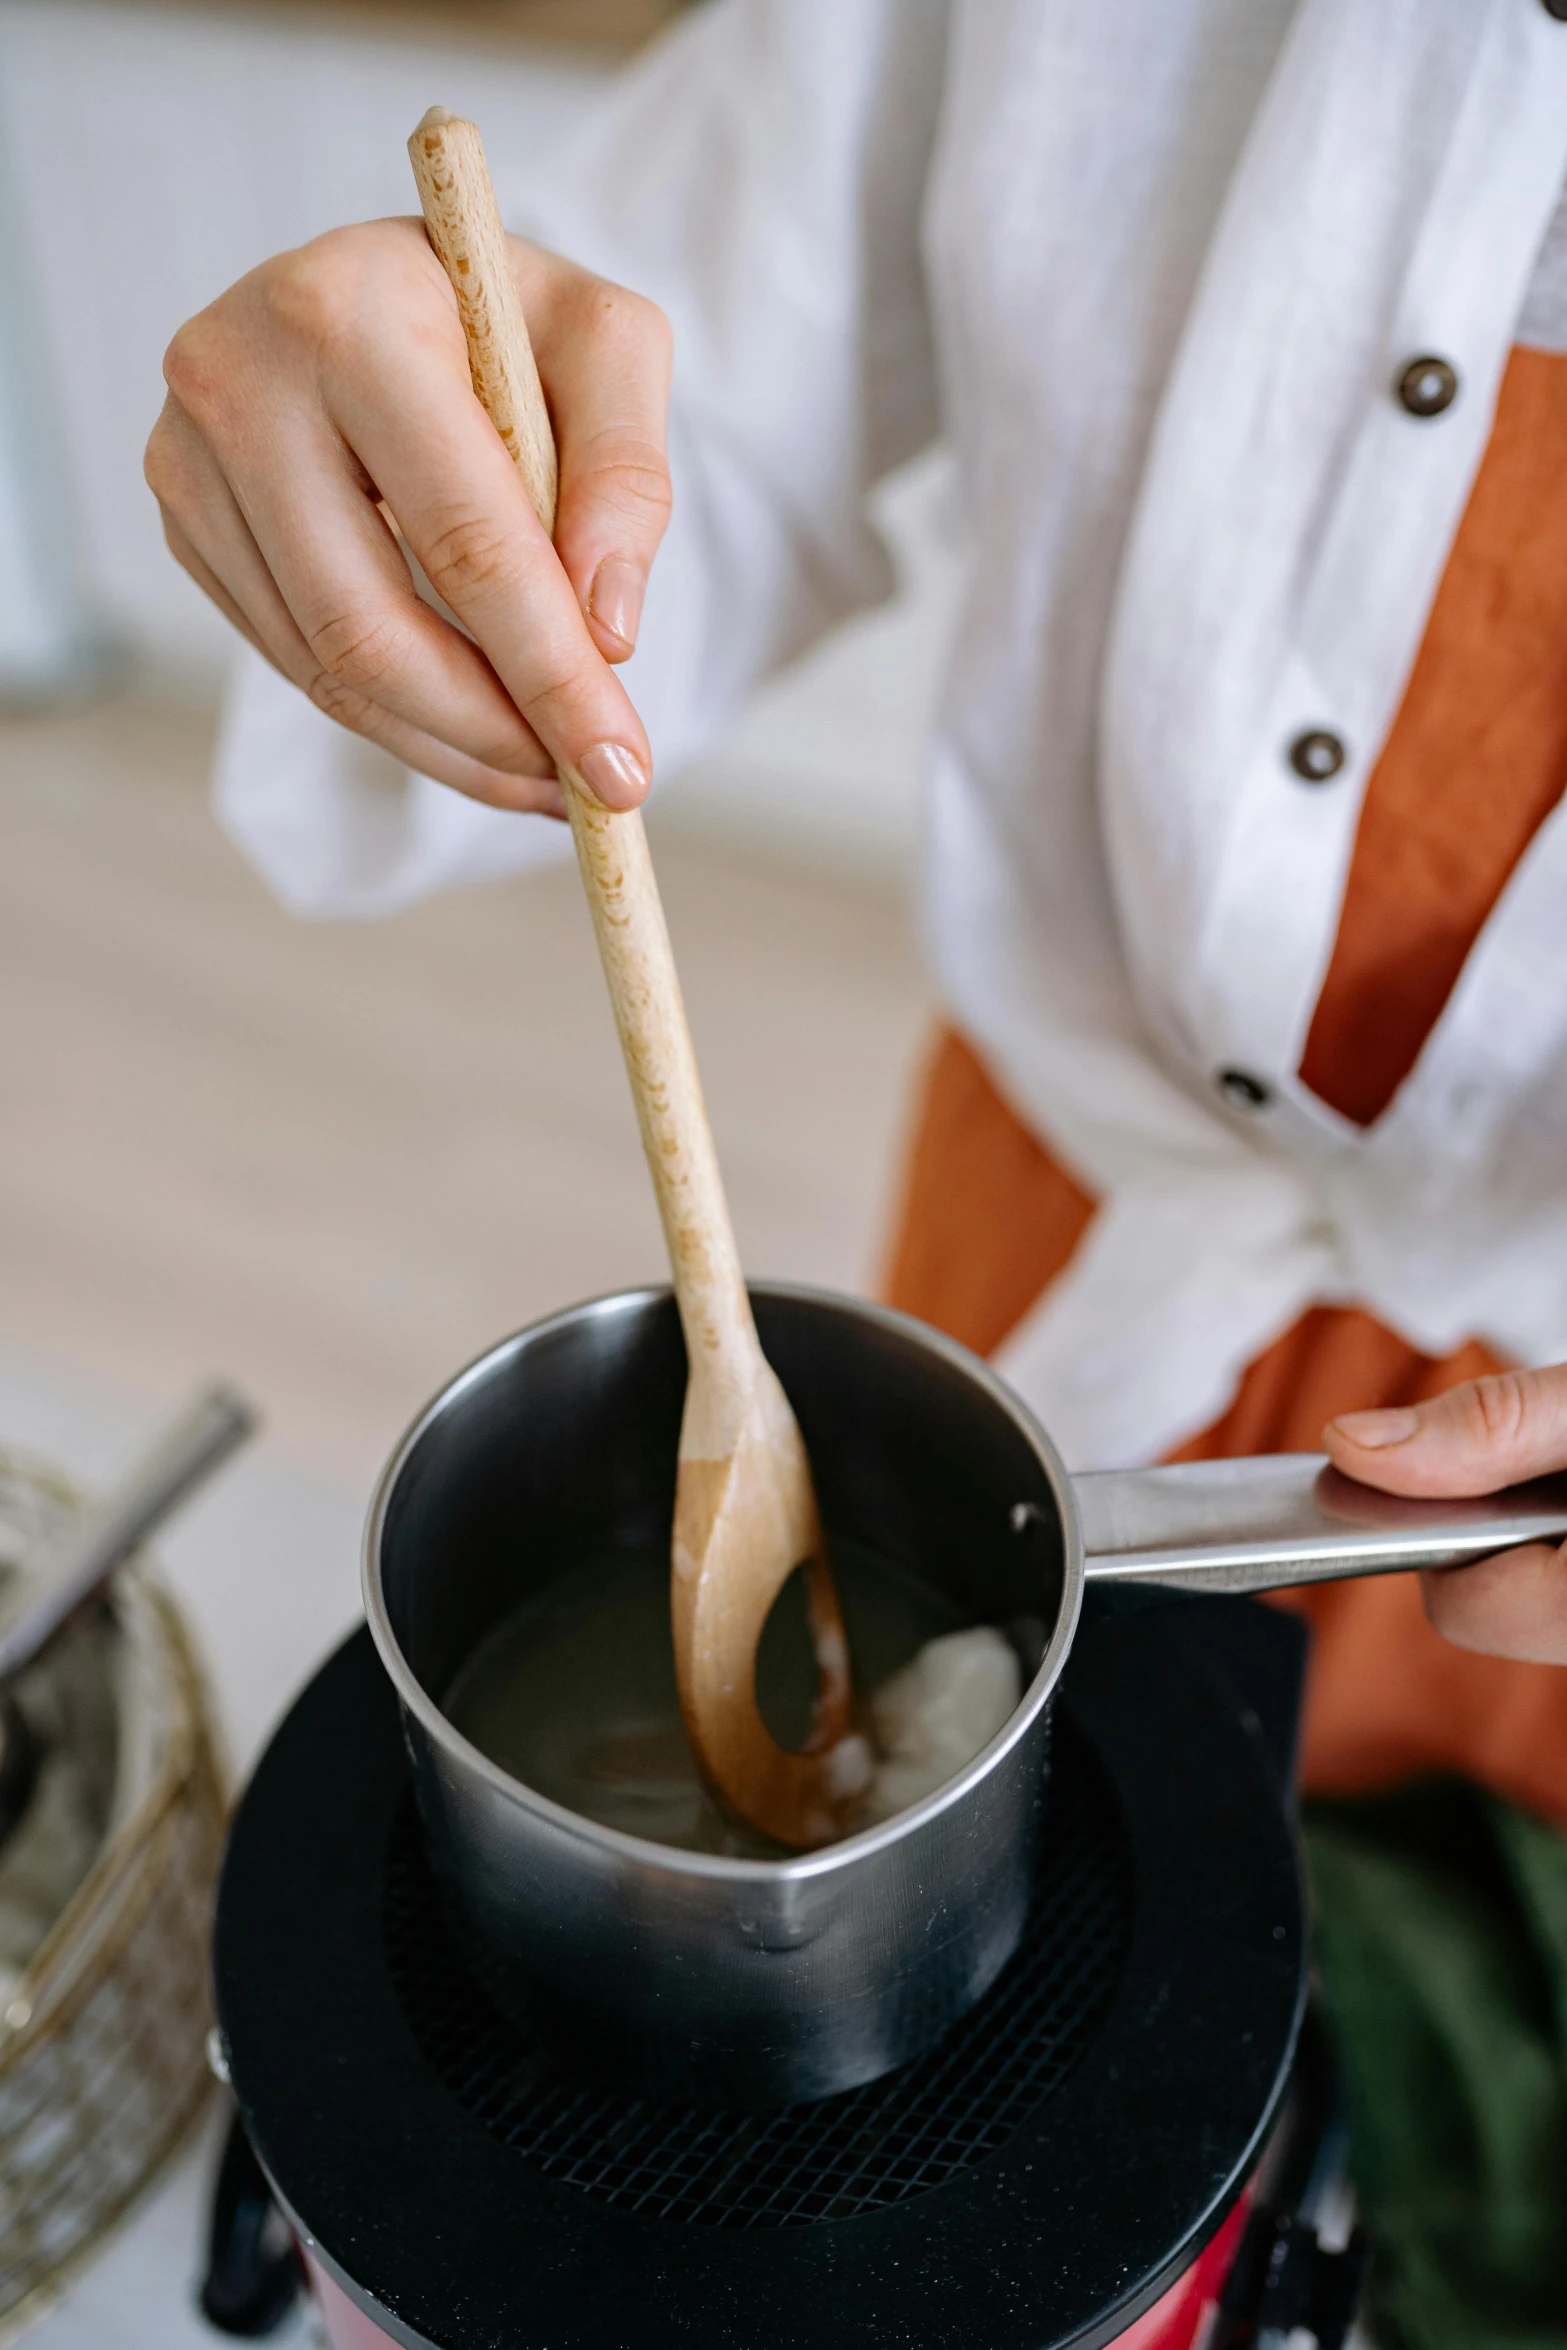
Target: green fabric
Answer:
pixel 1441 1937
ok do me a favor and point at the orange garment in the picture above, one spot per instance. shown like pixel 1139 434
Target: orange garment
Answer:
pixel 987 1219
pixel 1471 767
pixel 1474 763
pixel 986 1222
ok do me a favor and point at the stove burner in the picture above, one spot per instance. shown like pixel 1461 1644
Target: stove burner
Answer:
pixel 886 2143
pixel 457 2193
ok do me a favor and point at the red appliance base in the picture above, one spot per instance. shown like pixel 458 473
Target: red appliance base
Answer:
pixel 1177 2320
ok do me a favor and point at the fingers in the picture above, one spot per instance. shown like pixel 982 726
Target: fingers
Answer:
pixel 1486 1434
pixel 230 568
pixel 1514 1605
pixel 377 648
pixel 444 472
pixel 365 633
pixel 604 355
pixel 334 382
pixel 209 583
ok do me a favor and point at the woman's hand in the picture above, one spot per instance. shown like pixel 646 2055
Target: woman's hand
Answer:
pixel 1490 1433
pixel 329 391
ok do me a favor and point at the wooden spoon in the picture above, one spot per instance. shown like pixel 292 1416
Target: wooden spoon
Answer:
pixel 745 1511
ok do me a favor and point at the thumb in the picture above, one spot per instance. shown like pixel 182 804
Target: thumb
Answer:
pixel 1488 1433
pixel 608 381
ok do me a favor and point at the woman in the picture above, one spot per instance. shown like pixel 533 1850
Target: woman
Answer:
pixel 1246 321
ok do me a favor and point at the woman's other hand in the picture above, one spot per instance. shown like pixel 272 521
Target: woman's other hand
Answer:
pixel 1476 1438
pixel 325 397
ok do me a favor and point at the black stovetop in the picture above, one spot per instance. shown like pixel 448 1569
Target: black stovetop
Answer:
pixel 1035 2181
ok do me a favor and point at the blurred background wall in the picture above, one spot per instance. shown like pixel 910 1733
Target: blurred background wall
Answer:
pixel 335 1160
pixel 151 155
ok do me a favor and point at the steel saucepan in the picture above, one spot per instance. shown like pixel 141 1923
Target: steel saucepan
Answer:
pixel 757 1983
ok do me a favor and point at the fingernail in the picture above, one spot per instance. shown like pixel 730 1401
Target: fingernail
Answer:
pixel 615 599
pixel 614 775
pixel 1374 1431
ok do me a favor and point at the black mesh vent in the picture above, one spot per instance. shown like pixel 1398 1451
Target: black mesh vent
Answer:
pixel 896 2138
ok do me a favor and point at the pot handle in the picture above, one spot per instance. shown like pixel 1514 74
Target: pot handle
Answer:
pixel 1285 1518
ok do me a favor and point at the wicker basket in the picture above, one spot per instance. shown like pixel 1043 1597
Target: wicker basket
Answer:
pixel 102 2041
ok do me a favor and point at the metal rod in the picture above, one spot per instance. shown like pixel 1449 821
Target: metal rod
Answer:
pixel 81 1557
pixel 1288 1518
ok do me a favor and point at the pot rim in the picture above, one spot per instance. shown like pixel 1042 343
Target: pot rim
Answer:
pixel 670 1859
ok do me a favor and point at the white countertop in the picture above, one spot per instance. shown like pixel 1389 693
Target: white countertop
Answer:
pixel 266 1565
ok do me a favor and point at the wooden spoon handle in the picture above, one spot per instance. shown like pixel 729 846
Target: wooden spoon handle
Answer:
pixel 465 229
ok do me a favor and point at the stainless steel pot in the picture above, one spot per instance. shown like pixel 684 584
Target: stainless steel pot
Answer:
pixel 755 1983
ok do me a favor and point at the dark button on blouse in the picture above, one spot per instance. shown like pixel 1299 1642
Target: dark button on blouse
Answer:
pixel 1317 756
pixel 1243 1091
pixel 1428 385
pixel 1558 9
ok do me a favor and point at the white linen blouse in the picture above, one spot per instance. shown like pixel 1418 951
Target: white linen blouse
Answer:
pixel 1153 268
